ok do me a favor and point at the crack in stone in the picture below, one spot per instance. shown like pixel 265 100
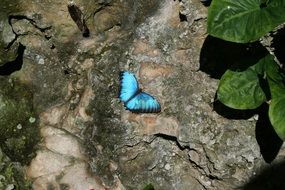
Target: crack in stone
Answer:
pixel 203 171
pixel 78 17
pixel 173 139
pixel 23 17
pixel 135 144
pixel 201 183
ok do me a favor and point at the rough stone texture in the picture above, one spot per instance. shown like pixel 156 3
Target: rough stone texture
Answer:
pixel 89 140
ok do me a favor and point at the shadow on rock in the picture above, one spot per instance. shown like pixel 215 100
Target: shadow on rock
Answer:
pixel 218 55
pixel 206 3
pixel 16 65
pixel 231 113
pixel 266 137
pixel 278 44
pixel 215 58
pixel 271 178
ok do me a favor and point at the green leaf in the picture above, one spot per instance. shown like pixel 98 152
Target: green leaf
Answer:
pixel 277 115
pixel 275 78
pixel 245 20
pixel 242 90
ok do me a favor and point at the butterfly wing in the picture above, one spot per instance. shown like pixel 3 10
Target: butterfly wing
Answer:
pixel 143 103
pixel 129 86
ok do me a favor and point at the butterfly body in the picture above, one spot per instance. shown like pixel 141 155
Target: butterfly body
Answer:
pixel 133 98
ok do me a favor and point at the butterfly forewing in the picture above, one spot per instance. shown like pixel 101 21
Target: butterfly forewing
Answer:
pixel 129 86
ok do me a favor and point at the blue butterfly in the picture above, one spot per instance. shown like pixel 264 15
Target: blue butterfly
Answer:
pixel 133 98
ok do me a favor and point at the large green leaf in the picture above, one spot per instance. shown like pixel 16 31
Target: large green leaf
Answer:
pixel 244 21
pixel 277 115
pixel 276 78
pixel 242 90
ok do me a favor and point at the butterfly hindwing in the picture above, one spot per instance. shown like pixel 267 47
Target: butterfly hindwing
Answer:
pixel 129 86
pixel 143 103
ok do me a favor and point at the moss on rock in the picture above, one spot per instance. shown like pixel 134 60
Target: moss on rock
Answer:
pixel 12 175
pixel 18 131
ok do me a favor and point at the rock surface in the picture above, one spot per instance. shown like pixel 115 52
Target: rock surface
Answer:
pixel 89 141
